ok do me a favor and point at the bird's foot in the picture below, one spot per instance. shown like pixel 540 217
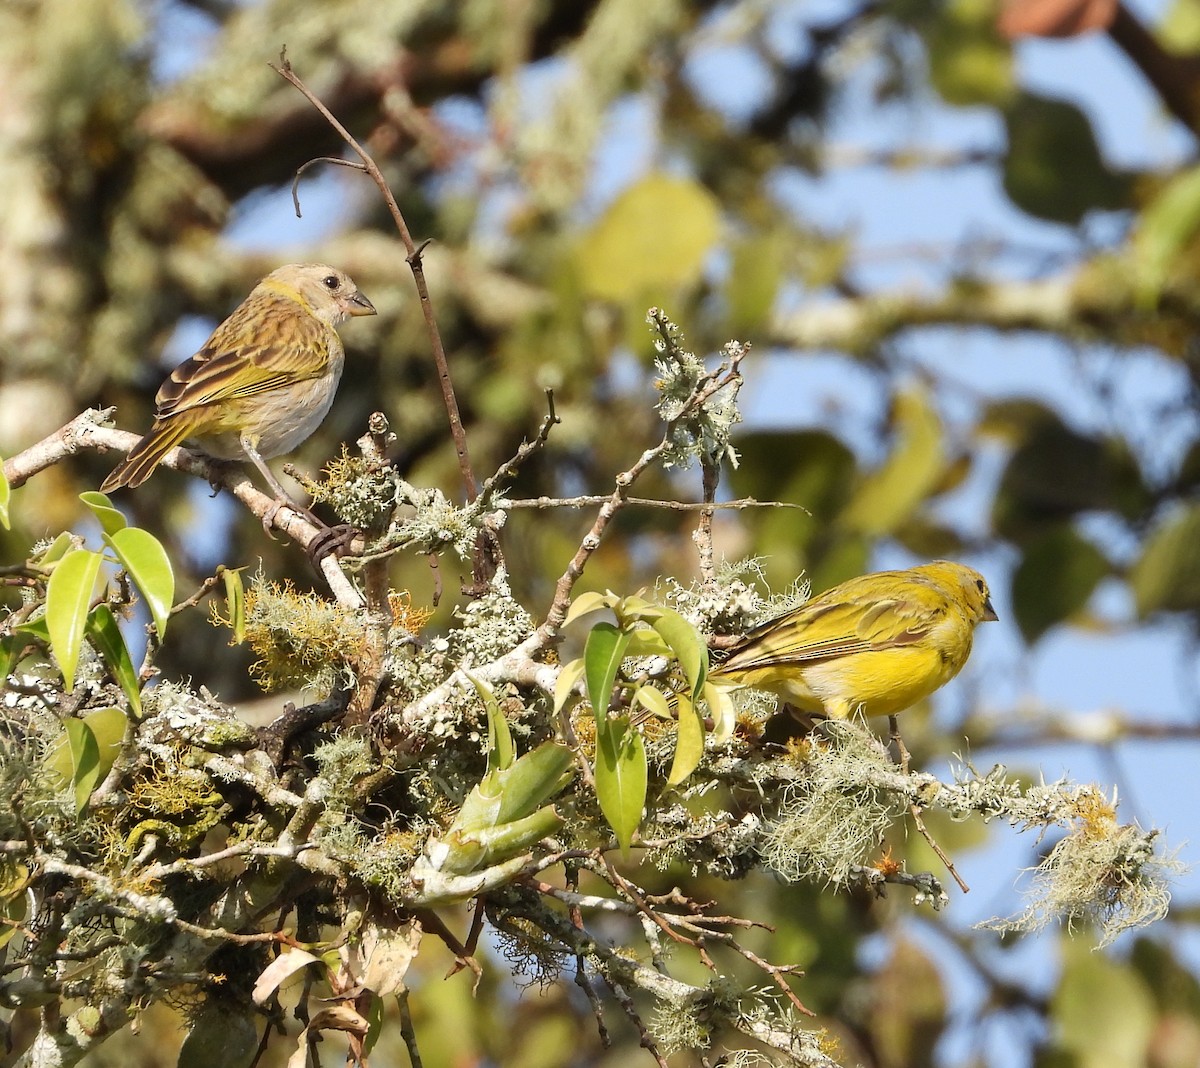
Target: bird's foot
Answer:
pixel 336 540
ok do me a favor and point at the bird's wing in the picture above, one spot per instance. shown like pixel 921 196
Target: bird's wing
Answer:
pixel 265 344
pixel 822 630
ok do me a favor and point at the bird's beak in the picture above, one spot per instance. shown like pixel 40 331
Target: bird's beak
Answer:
pixel 359 305
pixel 989 613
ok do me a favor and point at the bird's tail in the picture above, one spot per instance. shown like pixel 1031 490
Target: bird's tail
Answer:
pixel 144 457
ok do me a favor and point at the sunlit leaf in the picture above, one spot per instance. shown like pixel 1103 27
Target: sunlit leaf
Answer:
pixel 85 753
pixel 621 779
pixel 143 556
pixel 1167 576
pixel 722 710
pixel 68 599
pixel 105 635
pixel 893 491
pixel 969 63
pixel 568 675
pixel 689 742
pixel 653 239
pixel 500 744
pixel 110 519
pixel 653 700
pixel 602 656
pixel 58 549
pixel 1166 227
pixel 587 602
pixel 235 602
pixel 688 645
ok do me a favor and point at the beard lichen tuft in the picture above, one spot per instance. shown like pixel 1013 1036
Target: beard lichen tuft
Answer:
pixel 301 640
pixel 829 821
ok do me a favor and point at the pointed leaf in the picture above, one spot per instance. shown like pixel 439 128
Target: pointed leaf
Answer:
pixel 890 493
pixel 235 601
pixel 110 519
pixel 690 648
pixel 643 642
pixel 500 744
pixel 58 549
pixel 621 779
pixel 585 603
pixel 689 745
pixel 68 597
pixel 275 974
pixel 533 780
pixel 142 555
pixel 84 756
pixel 653 700
pixel 104 633
pixel 568 675
pixel 602 656
pixel 720 707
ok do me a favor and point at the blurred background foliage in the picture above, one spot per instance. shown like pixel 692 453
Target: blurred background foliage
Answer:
pixel 574 162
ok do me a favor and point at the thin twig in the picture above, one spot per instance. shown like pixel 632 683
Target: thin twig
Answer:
pixel 527 448
pixel 590 500
pixel 336 160
pixel 915 810
pixel 284 70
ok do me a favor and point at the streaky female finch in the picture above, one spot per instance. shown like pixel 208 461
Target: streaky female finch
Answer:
pixel 878 643
pixel 262 383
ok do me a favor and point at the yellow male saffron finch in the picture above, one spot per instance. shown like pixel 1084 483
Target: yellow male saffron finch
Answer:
pixel 262 383
pixel 879 642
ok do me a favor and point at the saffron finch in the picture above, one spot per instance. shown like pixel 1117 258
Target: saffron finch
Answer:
pixel 879 642
pixel 262 383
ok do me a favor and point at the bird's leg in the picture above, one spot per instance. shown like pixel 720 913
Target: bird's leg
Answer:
pixel 335 539
pixel 902 754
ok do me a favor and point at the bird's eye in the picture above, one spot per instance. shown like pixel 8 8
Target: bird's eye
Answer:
pixel 979 585
pixel 331 281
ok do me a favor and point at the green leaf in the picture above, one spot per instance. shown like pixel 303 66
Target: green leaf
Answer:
pixel 1102 1012
pixel 621 779
pixel 643 642
pixel 105 635
pixel 1166 226
pixel 58 549
pixel 235 601
pixel 568 675
pixel 653 700
pixel 110 519
pixel 68 598
pixel 533 779
pixel 1054 580
pixel 142 555
pixel 5 495
pixel 602 656
pixel 653 239
pixel 688 645
pixel 969 63
pixel 1054 169
pixel 588 602
pixel 219 1034
pixel 1167 576
pixel 892 492
pixel 722 710
pixel 689 744
pixel 500 744
pixel 75 761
